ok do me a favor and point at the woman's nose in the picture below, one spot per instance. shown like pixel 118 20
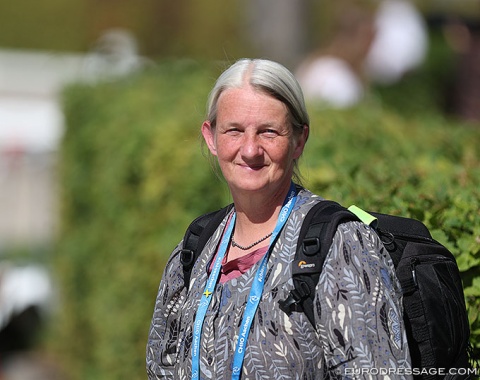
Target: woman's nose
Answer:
pixel 251 145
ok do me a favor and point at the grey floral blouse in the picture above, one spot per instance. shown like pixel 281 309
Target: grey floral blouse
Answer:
pixel 359 330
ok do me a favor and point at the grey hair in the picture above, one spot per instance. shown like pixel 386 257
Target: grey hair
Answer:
pixel 269 77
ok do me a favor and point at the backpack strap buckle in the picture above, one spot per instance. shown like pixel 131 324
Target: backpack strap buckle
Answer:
pixel 288 303
pixel 311 246
pixel 187 256
pixel 296 295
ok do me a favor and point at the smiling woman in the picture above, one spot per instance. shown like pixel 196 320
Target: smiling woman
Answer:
pixel 254 144
pixel 227 323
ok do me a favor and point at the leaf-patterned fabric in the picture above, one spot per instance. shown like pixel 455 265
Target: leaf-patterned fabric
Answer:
pixel 358 313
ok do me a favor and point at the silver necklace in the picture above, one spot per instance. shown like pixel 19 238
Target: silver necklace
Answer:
pixel 235 244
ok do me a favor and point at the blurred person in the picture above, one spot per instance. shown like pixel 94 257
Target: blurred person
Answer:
pixel 227 323
pixel 463 96
pixel 26 298
pixel 114 54
pixel 334 74
pixel 400 44
pixel 368 46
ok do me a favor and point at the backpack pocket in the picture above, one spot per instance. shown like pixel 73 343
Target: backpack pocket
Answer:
pixel 434 306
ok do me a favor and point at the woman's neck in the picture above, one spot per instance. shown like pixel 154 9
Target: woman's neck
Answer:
pixel 257 215
pixel 259 206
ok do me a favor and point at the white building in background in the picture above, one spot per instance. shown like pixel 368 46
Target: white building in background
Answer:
pixel 31 125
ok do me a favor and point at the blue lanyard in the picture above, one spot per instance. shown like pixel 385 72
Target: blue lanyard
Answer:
pixel 254 296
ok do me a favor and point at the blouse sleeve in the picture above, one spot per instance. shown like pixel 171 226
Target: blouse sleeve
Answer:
pixel 359 309
pixel 162 342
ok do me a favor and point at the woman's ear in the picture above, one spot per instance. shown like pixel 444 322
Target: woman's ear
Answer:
pixel 208 133
pixel 301 141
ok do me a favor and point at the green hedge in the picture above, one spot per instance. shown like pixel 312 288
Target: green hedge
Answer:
pixel 133 176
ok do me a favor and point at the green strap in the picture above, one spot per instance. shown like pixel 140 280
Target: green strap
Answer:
pixel 364 216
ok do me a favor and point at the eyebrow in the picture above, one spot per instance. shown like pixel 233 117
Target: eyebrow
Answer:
pixel 263 125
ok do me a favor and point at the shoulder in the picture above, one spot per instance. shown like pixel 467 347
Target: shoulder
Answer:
pixel 356 232
pixel 305 200
pixel 355 242
pixel 305 194
pixel 173 272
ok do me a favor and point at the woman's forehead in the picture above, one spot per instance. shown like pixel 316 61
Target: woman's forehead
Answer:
pixel 241 105
pixel 248 95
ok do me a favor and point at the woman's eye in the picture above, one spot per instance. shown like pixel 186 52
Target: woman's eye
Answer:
pixel 270 132
pixel 233 131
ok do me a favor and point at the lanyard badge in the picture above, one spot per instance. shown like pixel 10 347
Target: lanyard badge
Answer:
pixel 253 298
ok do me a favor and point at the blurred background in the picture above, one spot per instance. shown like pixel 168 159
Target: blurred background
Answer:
pixel 96 98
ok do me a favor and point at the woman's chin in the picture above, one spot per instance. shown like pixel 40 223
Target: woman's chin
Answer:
pixel 249 185
pixel 256 186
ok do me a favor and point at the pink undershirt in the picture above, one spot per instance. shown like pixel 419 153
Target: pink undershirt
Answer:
pixel 240 265
pixel 236 267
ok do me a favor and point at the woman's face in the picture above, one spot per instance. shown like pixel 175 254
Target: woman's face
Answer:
pixel 253 141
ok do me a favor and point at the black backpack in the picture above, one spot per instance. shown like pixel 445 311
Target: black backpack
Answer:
pixel 435 314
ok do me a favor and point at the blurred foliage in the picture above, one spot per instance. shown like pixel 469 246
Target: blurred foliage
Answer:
pixel 50 24
pixel 163 28
pixel 187 28
pixel 133 176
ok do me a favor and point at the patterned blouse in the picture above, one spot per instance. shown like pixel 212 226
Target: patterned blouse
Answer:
pixel 359 331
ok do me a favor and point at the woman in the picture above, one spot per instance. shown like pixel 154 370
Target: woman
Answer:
pixel 228 323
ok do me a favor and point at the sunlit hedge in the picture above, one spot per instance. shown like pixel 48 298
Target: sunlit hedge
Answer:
pixel 133 175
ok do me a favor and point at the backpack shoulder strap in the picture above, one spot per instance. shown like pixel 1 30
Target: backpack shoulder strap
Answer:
pixel 197 236
pixel 314 241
